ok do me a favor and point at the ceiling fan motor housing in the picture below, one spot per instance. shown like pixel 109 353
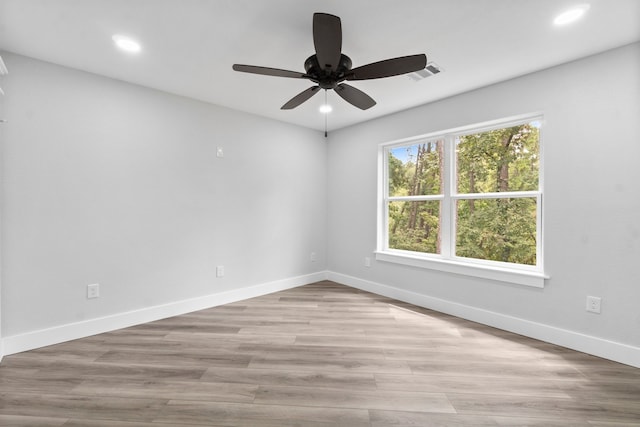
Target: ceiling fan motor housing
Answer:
pixel 327 79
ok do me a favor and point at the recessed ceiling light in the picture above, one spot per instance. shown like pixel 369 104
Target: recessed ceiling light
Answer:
pixel 571 15
pixel 126 43
pixel 326 108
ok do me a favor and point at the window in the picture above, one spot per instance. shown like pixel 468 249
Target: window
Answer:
pixel 467 200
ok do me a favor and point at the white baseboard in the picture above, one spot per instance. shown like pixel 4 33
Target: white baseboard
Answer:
pixel 617 352
pixel 44 337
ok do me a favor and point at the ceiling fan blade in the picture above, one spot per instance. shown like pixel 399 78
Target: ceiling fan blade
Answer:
pixel 355 96
pixel 327 39
pixel 300 98
pixel 389 67
pixel 254 69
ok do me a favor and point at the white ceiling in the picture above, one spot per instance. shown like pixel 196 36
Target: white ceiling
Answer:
pixel 190 45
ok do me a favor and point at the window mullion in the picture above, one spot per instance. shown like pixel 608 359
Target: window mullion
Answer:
pixel 446 225
pixel 498 195
pixel 413 198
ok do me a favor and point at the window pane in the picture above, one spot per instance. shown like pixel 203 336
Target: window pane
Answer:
pixel 499 160
pixel 414 226
pixel 415 170
pixel 497 229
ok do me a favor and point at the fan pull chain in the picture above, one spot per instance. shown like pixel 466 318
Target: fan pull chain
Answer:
pixel 325 114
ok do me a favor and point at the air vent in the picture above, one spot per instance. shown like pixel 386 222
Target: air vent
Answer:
pixel 431 69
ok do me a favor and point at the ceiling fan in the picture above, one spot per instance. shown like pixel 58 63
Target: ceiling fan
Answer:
pixel 329 67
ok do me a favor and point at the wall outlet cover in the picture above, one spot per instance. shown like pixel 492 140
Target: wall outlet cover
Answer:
pixel 594 304
pixel 93 291
pixel 220 271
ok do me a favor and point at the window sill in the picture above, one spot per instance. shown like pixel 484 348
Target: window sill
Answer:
pixel 520 277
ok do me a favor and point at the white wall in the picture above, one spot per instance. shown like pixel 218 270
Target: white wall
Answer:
pixel 106 182
pixel 591 202
pixel 111 183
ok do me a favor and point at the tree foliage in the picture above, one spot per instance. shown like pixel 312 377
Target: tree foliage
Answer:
pixel 494 228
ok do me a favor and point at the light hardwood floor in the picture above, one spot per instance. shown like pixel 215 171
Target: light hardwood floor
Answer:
pixel 318 355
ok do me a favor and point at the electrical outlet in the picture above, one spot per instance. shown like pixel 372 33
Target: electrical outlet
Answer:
pixel 367 261
pixel 93 291
pixel 594 304
pixel 220 152
pixel 313 257
pixel 220 271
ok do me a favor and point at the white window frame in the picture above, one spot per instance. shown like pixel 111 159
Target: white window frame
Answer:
pixel 447 261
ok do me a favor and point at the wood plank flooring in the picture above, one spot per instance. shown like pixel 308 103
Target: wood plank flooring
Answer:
pixel 318 355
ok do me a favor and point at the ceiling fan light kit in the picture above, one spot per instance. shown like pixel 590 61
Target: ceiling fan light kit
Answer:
pixel 328 68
